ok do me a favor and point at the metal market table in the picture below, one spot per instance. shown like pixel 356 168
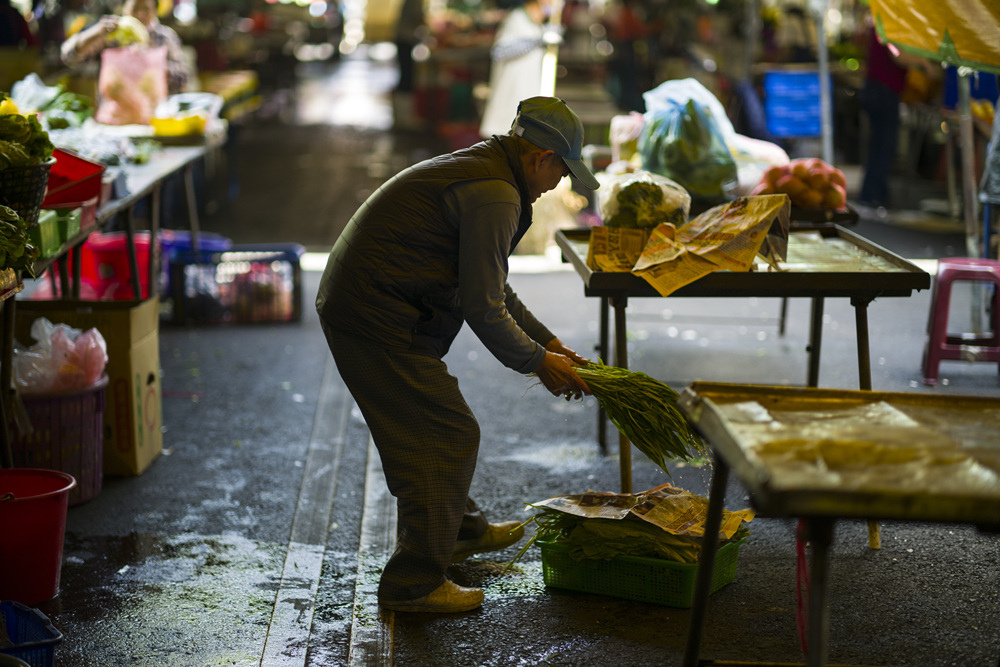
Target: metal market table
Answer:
pixel 955 433
pixel 143 181
pixel 825 261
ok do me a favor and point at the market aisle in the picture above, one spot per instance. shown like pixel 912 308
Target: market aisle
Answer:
pixel 300 181
pixel 188 564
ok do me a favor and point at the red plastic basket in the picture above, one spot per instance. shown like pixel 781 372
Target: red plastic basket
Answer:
pixel 73 180
pixel 67 434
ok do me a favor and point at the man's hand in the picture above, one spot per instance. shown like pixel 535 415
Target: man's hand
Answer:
pixel 557 374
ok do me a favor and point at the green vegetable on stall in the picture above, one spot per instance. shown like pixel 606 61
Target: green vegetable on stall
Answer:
pixel 684 143
pixel 642 205
pixel 67 110
pixel 16 249
pixel 587 538
pixel 23 141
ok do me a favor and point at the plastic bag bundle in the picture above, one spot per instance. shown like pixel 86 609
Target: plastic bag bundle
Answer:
pixel 62 359
pixel 641 200
pixel 685 138
pixel 131 83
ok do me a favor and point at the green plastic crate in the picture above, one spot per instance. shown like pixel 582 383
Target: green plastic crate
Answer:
pixel 45 235
pixel 655 580
pixel 69 223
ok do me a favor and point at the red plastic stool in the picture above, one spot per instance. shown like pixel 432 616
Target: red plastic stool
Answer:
pixel 942 345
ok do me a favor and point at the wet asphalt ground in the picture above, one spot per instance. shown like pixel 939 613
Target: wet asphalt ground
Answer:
pixel 256 537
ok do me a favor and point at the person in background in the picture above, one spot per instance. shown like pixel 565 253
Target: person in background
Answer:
pixel 425 254
pixel 515 64
pixel 628 30
pixel 408 28
pixel 88 43
pixel 14 29
pixel 885 79
pixel 798 35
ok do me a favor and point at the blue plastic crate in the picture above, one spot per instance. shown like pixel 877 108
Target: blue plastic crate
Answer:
pixel 242 284
pixel 27 634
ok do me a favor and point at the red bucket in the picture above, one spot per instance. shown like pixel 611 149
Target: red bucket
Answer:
pixel 33 506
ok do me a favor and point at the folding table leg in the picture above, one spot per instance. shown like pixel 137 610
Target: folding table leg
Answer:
pixel 192 206
pixel 619 303
pixel 133 261
pixel 861 328
pixel 815 341
pixel 865 383
pixel 821 536
pixel 602 351
pixel 706 561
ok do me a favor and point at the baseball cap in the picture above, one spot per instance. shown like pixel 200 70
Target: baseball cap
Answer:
pixel 551 125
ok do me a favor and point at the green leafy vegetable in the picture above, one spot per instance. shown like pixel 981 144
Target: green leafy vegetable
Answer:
pixel 685 143
pixel 642 205
pixel 645 411
pixel 16 249
pixel 27 132
pixel 13 154
pixel 588 538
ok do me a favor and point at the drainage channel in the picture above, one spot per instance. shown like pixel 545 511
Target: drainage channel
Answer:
pixel 371 626
pixel 291 621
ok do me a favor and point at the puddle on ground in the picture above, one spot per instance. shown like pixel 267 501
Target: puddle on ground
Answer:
pixel 179 600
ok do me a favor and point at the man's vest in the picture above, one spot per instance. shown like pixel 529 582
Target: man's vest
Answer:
pixel 392 276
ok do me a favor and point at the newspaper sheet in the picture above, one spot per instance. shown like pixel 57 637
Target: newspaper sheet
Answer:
pixel 674 510
pixel 615 249
pixel 727 237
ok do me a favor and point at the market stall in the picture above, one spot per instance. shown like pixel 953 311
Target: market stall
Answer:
pixel 829 262
pixel 828 455
pixel 97 176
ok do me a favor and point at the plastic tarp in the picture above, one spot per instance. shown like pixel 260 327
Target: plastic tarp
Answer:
pixel 956 32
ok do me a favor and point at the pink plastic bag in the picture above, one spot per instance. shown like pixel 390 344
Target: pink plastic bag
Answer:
pixel 132 81
pixel 62 359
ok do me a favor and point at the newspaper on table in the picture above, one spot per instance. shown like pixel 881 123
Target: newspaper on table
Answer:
pixel 727 237
pixel 616 249
pixel 667 507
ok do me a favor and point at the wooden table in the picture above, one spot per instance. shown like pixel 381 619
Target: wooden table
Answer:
pixel 951 434
pixel 823 262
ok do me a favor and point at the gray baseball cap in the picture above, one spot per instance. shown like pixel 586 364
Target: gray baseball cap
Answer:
pixel 551 125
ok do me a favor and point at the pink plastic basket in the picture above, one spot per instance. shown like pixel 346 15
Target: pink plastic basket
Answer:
pixel 67 434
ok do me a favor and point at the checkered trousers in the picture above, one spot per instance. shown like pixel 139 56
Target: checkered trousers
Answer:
pixel 428 440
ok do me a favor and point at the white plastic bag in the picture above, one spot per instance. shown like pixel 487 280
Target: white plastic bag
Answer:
pixel 641 200
pixel 679 92
pixel 62 359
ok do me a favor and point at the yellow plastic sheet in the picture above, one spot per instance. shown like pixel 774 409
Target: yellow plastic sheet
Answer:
pixel 955 32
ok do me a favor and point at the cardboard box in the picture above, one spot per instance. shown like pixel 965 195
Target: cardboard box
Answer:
pixel 133 435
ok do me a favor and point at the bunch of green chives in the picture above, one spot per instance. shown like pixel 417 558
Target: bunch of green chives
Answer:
pixel 645 411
